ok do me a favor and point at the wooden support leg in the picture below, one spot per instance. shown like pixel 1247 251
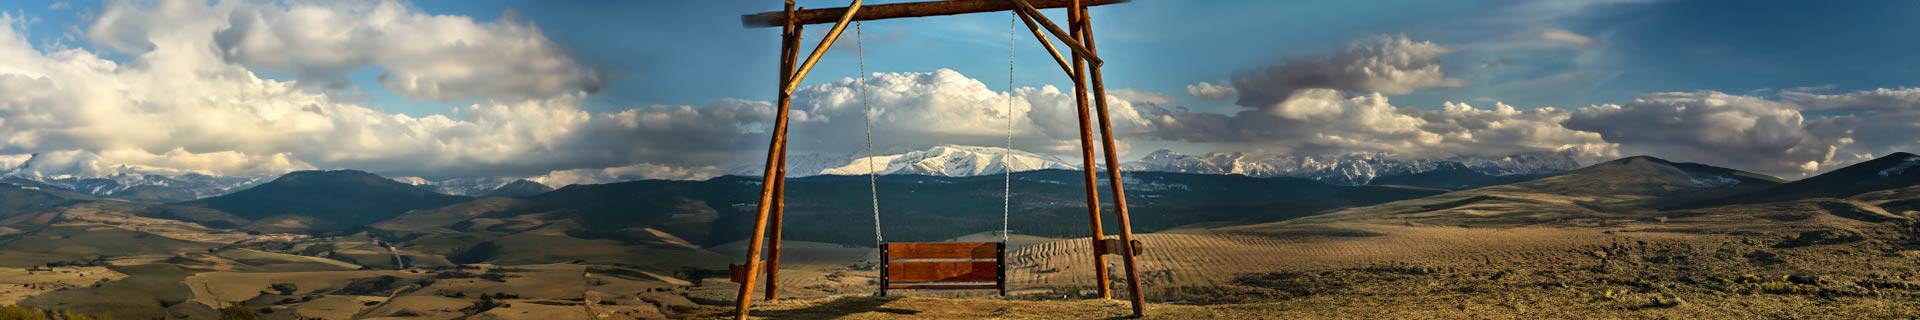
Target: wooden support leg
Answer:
pixel 775 148
pixel 790 52
pixel 773 235
pixel 1127 254
pixel 1086 154
pixel 774 225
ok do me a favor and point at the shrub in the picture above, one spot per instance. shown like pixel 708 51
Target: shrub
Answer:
pixel 285 289
pixel 18 313
pixel 238 313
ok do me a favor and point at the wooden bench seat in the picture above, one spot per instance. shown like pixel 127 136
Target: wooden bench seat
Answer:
pixel 943 265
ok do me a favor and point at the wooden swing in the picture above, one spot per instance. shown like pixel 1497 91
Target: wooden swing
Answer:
pixel 943 265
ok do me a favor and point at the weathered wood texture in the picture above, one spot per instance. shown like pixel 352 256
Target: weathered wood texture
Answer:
pixel 901 10
pixel 1088 162
pixel 941 271
pixel 1112 246
pixel 1126 246
pixel 944 286
pixel 738 272
pixel 943 250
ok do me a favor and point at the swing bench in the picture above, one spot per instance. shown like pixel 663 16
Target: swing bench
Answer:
pixel 943 265
pixel 948 265
pixel 933 266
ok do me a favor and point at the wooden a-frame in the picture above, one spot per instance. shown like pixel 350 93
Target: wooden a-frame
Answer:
pixel 1083 66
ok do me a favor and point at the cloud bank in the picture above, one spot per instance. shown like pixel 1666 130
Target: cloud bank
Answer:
pixel 187 99
pixel 421 55
pixel 1387 64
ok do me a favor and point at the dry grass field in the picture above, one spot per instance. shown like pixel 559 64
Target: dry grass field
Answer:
pixel 17 283
pixel 1703 264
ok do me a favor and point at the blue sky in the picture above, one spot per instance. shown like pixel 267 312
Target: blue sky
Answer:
pixel 681 52
pixel 1392 67
pixel 668 52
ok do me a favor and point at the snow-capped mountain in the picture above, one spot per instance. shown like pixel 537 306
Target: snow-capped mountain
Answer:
pixel 460 186
pixel 944 160
pixel 950 161
pixel 1349 169
pixel 126 182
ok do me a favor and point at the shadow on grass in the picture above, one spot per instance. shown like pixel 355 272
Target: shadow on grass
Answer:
pixel 838 308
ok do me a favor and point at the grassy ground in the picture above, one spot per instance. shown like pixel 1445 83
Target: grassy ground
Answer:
pixel 1726 264
pixel 1416 302
pixel 144 294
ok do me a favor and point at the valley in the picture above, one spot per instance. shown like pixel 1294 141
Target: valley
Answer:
pixel 1634 237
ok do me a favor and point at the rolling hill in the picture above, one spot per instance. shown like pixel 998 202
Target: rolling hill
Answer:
pixel 519 188
pixel 320 201
pixel 1453 177
pixel 913 207
pixel 17 199
pixel 1621 189
pixel 1893 171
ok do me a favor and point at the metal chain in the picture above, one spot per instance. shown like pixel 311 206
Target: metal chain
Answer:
pixel 873 182
pixel 1006 155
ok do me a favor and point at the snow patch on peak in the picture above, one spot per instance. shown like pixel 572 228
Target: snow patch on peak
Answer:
pixel 460 186
pixel 1347 169
pixel 416 181
pixel 946 161
pixel 1901 168
pixel 1712 181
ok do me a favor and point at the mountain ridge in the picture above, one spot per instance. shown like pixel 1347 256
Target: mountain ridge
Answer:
pixel 1893 171
pixel 327 200
pixel 1348 169
pixel 1623 188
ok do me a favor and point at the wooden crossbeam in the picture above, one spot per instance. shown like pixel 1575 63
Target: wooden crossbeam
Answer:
pixel 902 10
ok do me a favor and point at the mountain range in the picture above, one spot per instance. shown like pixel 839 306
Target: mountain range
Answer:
pixel 159 186
pixel 1047 202
pixel 1643 187
pixel 344 220
pixel 1350 169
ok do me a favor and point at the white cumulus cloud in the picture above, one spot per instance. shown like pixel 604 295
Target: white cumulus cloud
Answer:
pixel 1209 91
pixel 1743 132
pixel 1385 64
pixel 421 55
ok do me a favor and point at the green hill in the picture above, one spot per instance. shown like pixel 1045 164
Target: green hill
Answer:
pixel 333 200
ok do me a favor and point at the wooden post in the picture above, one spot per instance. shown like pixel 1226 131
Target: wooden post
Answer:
pixel 790 42
pixel 1086 154
pixel 776 147
pixel 1127 253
